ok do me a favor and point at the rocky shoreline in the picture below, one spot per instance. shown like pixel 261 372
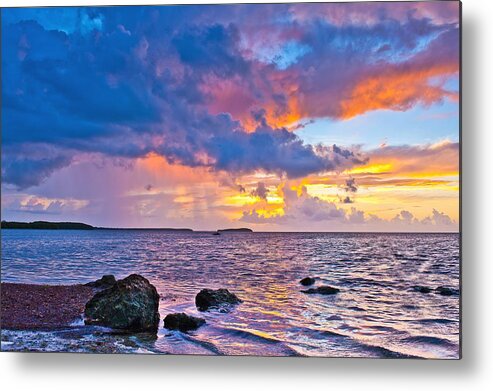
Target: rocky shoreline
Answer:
pixel 127 305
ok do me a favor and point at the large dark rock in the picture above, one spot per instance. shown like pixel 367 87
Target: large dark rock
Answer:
pixel 307 281
pixel 421 289
pixel 105 282
pixel 446 291
pixel 130 304
pixel 322 290
pixel 182 322
pixel 210 298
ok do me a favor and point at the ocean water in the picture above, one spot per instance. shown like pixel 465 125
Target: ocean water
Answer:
pixel 376 313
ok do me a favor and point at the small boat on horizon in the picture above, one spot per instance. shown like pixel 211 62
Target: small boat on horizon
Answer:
pixel 216 233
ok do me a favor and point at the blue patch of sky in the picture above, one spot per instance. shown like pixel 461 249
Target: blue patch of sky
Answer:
pixel 450 84
pixel 66 19
pixel 391 48
pixel 416 126
pixel 284 55
pixel 396 54
pixel 90 23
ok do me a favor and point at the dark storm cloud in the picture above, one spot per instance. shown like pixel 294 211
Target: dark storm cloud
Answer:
pixel 127 81
pixel 31 168
pixel 213 49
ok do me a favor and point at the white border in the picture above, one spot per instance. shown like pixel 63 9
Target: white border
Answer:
pixel 21 371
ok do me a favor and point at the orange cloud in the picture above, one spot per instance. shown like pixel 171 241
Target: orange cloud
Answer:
pixel 240 98
pixel 397 89
pixel 158 167
pixel 428 161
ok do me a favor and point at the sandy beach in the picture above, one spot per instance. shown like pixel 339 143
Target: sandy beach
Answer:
pixel 42 307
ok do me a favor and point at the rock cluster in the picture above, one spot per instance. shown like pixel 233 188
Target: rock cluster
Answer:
pixel 441 290
pixel 132 305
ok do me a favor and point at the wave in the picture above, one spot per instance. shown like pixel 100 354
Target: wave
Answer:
pixel 360 281
pixel 203 344
pixel 259 337
pixel 251 335
pixel 317 333
pixel 387 353
pixel 355 344
pixel 355 308
pixel 420 339
pixel 436 320
pixel 385 328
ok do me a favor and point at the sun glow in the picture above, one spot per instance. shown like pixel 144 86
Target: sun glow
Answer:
pixel 371 169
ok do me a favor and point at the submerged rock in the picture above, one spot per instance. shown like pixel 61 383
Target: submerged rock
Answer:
pixel 422 289
pixel 446 291
pixel 182 322
pixel 130 304
pixel 210 298
pixel 105 282
pixel 307 281
pixel 322 290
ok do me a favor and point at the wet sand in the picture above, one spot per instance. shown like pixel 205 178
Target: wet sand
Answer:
pixel 42 307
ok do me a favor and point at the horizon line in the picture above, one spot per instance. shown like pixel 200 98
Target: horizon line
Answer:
pixel 187 229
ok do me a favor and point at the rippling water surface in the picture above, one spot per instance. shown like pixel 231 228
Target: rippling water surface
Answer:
pixel 376 314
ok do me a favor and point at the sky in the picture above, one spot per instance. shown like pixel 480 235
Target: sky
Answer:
pixel 276 117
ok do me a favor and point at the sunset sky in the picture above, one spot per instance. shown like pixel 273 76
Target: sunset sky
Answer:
pixel 287 117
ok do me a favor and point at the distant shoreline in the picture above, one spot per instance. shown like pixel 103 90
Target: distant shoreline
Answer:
pixel 45 225
pixel 82 226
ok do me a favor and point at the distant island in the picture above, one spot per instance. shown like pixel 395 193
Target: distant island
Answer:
pixel 235 230
pixel 45 225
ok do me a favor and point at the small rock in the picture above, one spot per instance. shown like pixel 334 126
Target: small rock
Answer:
pixel 322 290
pixel 130 304
pixel 182 322
pixel 422 289
pixel 105 282
pixel 307 281
pixel 446 291
pixel 208 298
